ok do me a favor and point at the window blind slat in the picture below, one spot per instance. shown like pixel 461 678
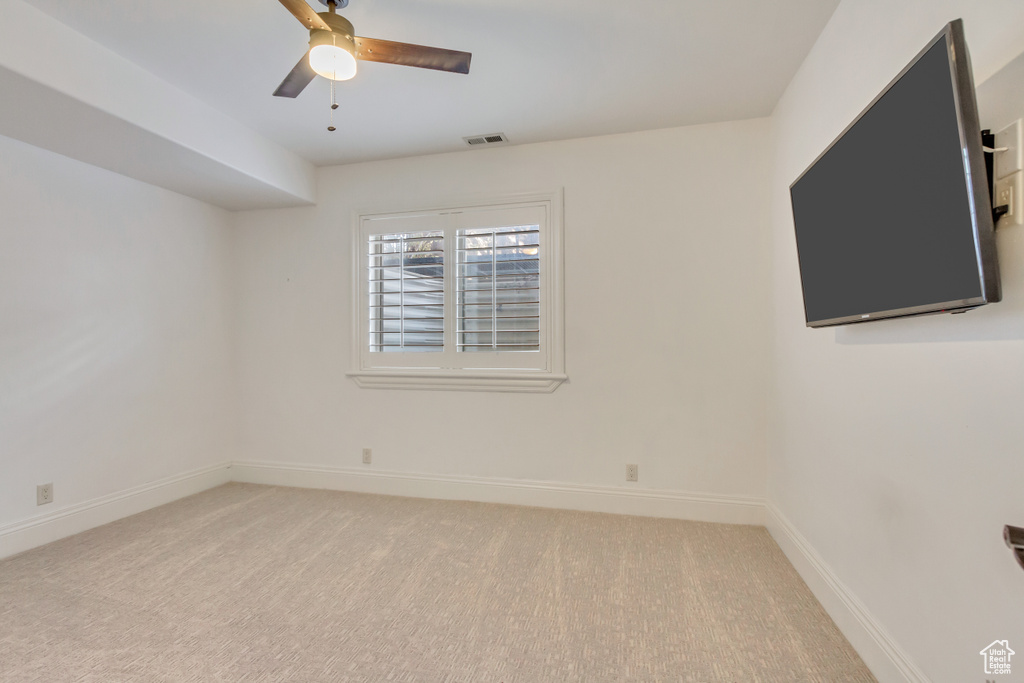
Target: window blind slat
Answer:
pixel 432 278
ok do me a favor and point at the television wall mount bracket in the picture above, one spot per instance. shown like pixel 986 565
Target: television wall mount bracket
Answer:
pixel 1014 537
pixel 987 142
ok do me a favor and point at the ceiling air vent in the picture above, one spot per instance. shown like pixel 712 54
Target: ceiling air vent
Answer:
pixel 489 139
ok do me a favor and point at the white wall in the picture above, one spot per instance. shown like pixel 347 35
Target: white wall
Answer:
pixel 114 338
pixel 666 320
pixel 896 446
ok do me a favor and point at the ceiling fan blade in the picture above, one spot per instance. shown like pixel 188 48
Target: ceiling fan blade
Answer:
pixel 297 79
pixel 374 50
pixel 305 14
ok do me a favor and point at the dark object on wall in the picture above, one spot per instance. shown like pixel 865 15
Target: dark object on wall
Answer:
pixel 1014 537
pixel 895 217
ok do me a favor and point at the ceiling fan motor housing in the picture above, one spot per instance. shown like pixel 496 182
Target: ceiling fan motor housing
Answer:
pixel 341 34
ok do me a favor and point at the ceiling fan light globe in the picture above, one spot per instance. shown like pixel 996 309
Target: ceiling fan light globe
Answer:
pixel 332 62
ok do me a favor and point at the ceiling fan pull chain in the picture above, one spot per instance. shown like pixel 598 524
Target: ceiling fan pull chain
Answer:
pixel 334 105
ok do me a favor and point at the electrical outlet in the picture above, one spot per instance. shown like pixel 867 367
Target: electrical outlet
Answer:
pixel 1008 192
pixel 367 456
pixel 44 494
pixel 631 472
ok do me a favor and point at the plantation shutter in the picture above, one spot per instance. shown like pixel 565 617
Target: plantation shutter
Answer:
pixel 460 297
pixel 498 295
pixel 406 292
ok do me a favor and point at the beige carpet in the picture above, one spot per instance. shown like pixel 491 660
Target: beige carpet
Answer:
pixel 256 583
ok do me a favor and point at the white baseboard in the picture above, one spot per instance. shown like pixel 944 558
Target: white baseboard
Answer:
pixel 17 537
pixel 888 662
pixel 26 534
pixel 883 655
pixel 624 501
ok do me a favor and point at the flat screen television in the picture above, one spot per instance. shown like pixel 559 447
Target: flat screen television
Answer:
pixel 894 218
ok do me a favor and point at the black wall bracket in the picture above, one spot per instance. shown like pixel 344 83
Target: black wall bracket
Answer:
pixel 988 141
pixel 1014 537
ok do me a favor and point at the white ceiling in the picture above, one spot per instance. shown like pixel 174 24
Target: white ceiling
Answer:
pixel 542 69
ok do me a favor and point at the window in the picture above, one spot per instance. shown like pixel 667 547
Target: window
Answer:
pixel 406 299
pixel 461 297
pixel 498 289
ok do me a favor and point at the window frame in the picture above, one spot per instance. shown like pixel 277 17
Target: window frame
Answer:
pixel 451 370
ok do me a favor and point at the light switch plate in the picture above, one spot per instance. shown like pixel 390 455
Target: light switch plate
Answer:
pixel 1012 160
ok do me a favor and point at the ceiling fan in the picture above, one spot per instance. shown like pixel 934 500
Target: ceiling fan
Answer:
pixel 334 49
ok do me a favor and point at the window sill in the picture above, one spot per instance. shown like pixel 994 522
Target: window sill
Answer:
pixel 466 380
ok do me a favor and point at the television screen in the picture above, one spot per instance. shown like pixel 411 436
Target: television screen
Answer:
pixel 894 218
